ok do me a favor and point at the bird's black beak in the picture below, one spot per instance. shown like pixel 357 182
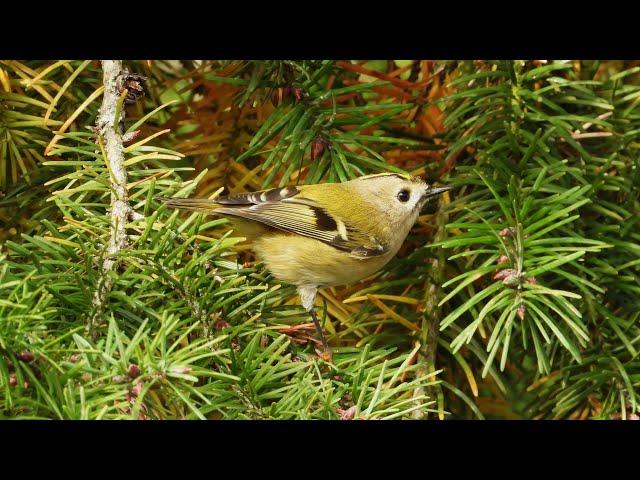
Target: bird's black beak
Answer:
pixel 432 192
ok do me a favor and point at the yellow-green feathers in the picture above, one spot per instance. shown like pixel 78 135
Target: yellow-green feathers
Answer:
pixel 308 211
pixel 325 234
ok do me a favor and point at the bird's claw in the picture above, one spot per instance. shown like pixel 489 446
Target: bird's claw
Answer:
pixel 325 354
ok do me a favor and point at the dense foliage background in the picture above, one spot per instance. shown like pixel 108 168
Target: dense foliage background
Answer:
pixel 514 297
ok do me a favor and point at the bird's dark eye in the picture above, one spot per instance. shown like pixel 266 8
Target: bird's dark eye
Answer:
pixel 404 195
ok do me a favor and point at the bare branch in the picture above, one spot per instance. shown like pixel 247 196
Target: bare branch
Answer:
pixel 109 131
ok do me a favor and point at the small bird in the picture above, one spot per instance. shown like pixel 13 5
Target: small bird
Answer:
pixel 323 235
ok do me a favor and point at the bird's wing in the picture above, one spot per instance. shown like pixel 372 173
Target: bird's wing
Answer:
pixel 286 209
pixel 304 217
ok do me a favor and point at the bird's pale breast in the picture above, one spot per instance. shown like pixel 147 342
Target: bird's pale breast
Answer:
pixel 304 261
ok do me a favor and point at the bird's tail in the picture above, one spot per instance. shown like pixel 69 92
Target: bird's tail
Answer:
pixel 194 204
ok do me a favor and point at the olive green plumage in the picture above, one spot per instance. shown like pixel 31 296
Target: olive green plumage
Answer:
pixel 328 234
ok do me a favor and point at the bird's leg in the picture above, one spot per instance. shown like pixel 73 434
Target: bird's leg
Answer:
pixel 308 296
pixel 316 322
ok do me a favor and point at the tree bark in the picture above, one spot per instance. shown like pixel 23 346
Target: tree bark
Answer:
pixel 432 315
pixel 109 132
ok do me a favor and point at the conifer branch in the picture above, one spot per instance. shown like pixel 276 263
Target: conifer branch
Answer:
pixel 432 316
pixel 109 132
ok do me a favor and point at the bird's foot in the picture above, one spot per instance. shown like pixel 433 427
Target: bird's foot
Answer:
pixel 325 354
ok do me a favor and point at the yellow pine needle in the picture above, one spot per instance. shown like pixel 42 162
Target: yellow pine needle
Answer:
pixel 542 380
pixel 119 104
pixel 146 156
pixel 4 81
pixel 468 373
pixel 419 171
pixel 74 115
pixel 157 175
pixel 45 71
pixel 254 317
pixel 395 316
pixel 61 241
pixel 64 88
pixel 393 298
pixel 248 178
pixel 20 70
pixel 134 146
pixel 332 312
pixel 345 313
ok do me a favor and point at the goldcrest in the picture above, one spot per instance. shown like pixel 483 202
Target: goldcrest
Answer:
pixel 330 234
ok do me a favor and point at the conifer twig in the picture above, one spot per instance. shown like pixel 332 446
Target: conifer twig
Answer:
pixel 432 315
pixel 108 129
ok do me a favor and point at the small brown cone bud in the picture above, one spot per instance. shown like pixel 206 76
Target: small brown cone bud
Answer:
pixel 74 358
pixel 13 380
pixel 220 324
pixel 26 356
pixel 531 280
pixel 502 274
pixel 521 311
pixel 507 232
pixel 133 371
pixel 318 146
pixel 133 83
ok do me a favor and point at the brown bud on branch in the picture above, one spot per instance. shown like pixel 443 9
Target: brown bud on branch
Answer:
pixel 133 371
pixel 133 83
pixel 503 274
pixel 318 147
pixel 25 356
pixel 507 232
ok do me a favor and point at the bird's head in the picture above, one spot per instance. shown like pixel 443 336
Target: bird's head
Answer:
pixel 400 195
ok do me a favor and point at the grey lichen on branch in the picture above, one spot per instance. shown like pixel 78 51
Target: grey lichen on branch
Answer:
pixel 117 86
